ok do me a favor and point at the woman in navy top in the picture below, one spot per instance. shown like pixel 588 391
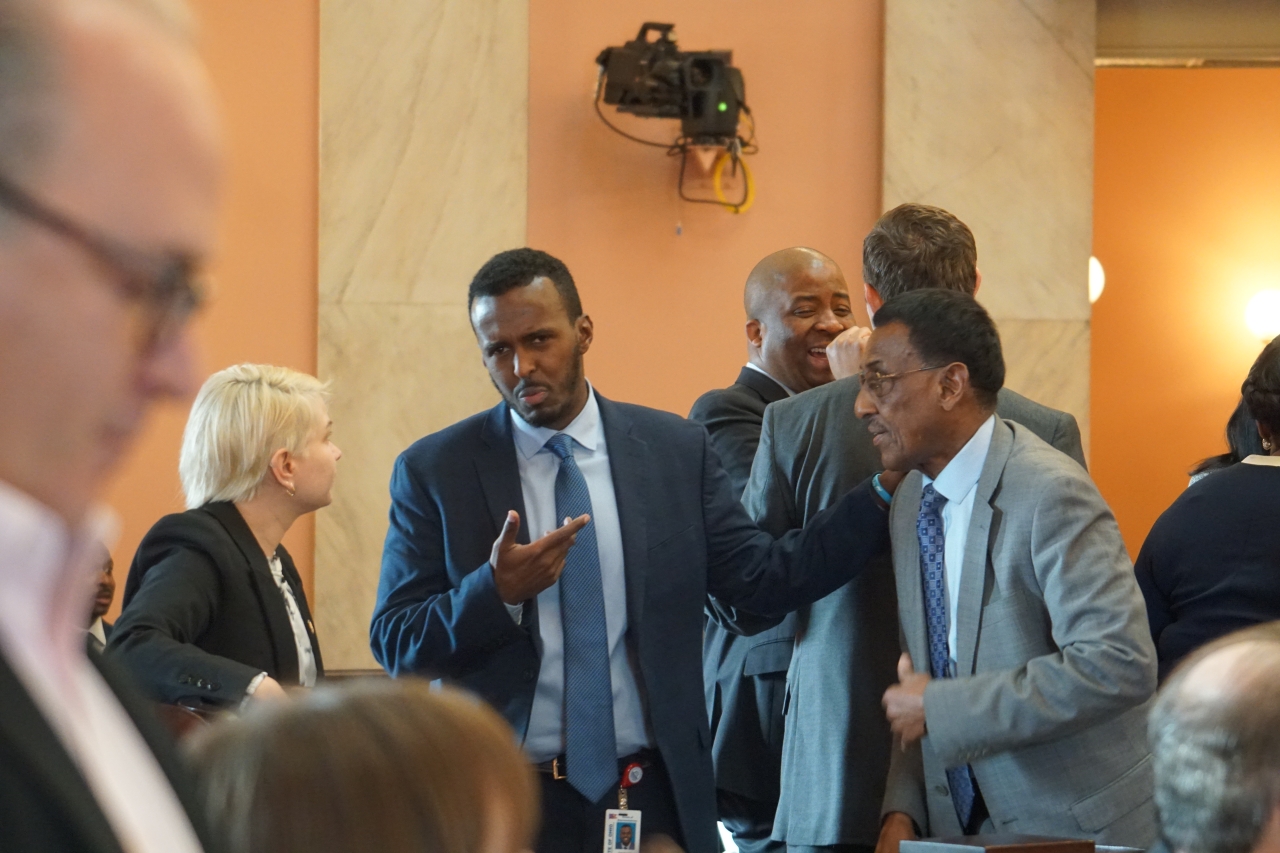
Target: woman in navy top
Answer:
pixel 1211 563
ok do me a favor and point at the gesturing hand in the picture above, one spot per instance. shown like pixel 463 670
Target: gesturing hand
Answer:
pixel 844 353
pixel 522 571
pixel 904 702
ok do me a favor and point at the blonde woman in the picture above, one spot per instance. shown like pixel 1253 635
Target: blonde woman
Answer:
pixel 214 610
pixel 392 766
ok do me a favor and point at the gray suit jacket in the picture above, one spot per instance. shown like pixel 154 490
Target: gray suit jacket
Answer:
pixel 1055 666
pixel 836 744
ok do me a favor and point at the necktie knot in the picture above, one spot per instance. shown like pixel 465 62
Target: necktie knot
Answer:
pixel 561 445
pixel 931 500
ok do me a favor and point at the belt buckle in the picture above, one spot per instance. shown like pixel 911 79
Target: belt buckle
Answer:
pixel 556 773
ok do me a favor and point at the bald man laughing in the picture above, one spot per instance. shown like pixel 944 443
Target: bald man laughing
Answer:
pixel 796 303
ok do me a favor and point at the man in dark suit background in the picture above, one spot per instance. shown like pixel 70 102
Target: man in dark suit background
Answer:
pixel 99 628
pixel 837 741
pixel 598 668
pixel 110 170
pixel 797 302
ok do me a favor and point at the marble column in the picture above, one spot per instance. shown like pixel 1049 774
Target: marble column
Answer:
pixel 989 114
pixel 423 176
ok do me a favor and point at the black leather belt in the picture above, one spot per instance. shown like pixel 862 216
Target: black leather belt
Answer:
pixel 645 758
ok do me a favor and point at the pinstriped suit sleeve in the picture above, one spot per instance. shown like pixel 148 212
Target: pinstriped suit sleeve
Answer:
pixel 764 487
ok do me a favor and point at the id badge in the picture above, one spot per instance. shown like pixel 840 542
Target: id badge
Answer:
pixel 621 831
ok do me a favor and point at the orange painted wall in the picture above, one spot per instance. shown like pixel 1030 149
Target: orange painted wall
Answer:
pixel 667 306
pixel 264 61
pixel 1187 226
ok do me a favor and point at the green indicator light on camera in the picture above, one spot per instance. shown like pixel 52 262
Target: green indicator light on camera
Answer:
pixel 724 108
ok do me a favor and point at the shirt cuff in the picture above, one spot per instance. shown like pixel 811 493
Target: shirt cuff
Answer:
pixel 515 610
pixel 253 685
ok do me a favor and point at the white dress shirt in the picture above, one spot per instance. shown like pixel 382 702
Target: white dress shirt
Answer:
pixel 48 574
pixel 758 369
pixel 1259 459
pixel 538 466
pixel 958 483
pixel 301 640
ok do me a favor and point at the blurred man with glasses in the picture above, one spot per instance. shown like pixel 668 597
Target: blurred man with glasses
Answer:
pixel 110 169
pixel 835 755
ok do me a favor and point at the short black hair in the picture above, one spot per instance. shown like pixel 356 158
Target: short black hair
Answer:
pixel 946 326
pixel 514 268
pixel 1261 389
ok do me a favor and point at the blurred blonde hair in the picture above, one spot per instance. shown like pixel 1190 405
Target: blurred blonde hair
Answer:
pixel 374 764
pixel 242 416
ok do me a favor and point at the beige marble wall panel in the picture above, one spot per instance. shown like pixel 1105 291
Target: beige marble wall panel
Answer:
pixel 1048 361
pixel 989 114
pixel 424 144
pixel 399 372
pixel 423 176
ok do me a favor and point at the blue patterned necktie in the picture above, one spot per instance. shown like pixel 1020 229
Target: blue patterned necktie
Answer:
pixel 590 748
pixel 933 568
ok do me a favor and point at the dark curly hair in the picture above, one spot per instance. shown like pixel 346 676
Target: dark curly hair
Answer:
pixel 946 326
pixel 1261 388
pixel 519 267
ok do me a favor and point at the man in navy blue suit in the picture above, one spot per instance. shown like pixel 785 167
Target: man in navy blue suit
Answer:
pixel 587 639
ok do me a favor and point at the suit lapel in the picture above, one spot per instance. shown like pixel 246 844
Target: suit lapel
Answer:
pixel 769 390
pixel 499 474
pixel 906 565
pixel 627 457
pixel 27 737
pixel 973 574
pixel 270 599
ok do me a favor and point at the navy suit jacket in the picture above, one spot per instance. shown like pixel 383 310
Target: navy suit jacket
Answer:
pixel 745 676
pixel 684 534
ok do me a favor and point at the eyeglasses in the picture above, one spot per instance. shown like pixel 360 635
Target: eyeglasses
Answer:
pixel 164 287
pixel 880 384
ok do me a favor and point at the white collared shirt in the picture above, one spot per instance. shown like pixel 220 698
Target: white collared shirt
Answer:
pixel 48 575
pixel 958 483
pixel 1259 459
pixel 301 639
pixel 758 369
pixel 538 466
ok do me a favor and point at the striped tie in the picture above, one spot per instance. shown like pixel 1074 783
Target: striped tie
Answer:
pixel 590 748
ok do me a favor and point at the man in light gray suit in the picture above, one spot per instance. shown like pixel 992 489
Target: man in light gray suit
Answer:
pixel 1028 672
pixel 813 450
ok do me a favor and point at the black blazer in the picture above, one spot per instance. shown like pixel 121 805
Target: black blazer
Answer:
pixel 1211 563
pixel 46 806
pixel 202 615
pixel 684 534
pixel 744 677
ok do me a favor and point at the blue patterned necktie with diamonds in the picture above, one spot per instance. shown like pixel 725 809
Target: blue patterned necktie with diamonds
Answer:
pixel 590 747
pixel 933 568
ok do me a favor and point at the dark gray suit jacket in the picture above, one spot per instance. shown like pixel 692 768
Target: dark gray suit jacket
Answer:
pixel 46 806
pixel 836 749
pixel 744 677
